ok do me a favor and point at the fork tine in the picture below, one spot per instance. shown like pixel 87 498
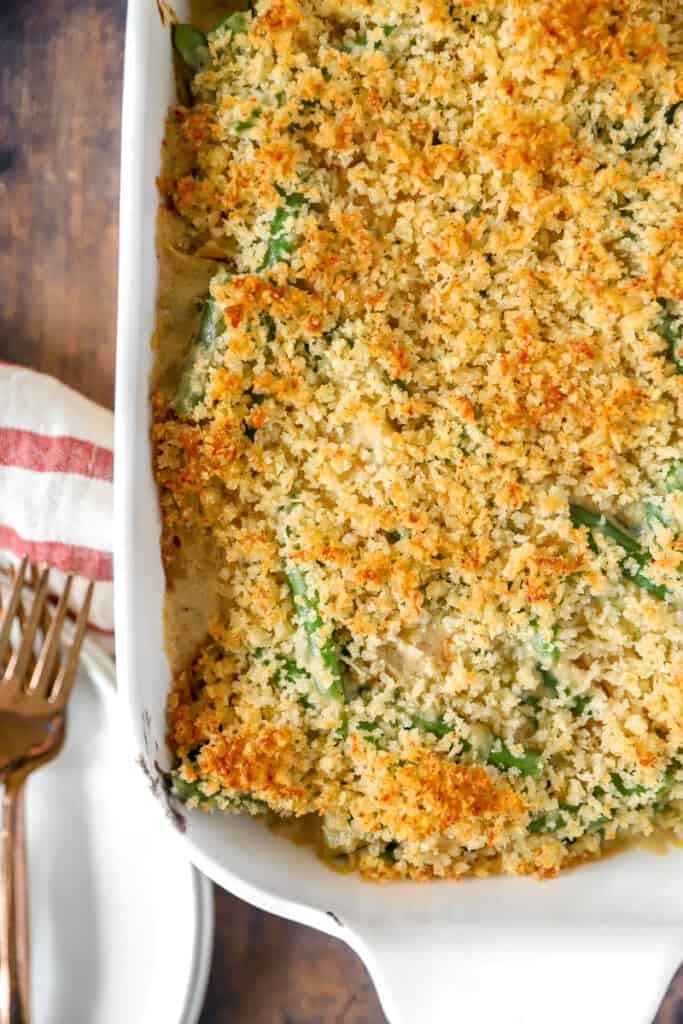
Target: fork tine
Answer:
pixel 32 582
pixel 43 675
pixel 6 577
pixel 22 616
pixel 45 622
pixel 20 658
pixel 11 610
pixel 67 673
pixel 46 617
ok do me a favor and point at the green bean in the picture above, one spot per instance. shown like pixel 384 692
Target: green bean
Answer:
pixel 253 398
pixel 288 669
pixel 185 790
pixel 342 731
pixel 191 45
pixel 637 141
pixel 280 240
pixel 241 127
pixel 370 727
pixel 673 480
pixel 547 650
pixel 306 603
pixel 625 790
pixel 529 763
pixel 595 522
pixel 247 797
pixel 270 326
pixel 670 329
pixel 581 516
pixel 666 785
pixel 553 821
pixel 235 22
pixel 598 824
pixel 670 112
pixel 656 589
pixel 546 823
pixel 669 780
pixel 654 514
pixel 435 726
pixel 550 680
pixel 362 40
pixel 358 41
pixel 389 851
pixel 195 373
pixel 578 704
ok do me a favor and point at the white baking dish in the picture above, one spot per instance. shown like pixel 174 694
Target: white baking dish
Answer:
pixel 598 944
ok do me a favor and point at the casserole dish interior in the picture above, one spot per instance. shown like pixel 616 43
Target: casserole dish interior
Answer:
pixel 600 941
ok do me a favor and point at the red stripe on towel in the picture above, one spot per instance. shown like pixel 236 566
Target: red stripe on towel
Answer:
pixel 46 454
pixel 86 562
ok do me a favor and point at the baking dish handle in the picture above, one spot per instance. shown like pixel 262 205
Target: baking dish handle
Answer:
pixel 540 974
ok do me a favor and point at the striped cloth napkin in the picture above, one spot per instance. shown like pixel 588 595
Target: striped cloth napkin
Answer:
pixel 56 472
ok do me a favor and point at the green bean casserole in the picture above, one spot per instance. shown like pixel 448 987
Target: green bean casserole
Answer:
pixel 417 426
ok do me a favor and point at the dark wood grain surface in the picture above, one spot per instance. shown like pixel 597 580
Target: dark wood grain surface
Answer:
pixel 60 86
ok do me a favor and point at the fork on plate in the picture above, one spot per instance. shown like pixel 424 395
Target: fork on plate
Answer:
pixel 36 676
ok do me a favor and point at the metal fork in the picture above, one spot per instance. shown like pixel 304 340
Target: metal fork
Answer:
pixel 34 688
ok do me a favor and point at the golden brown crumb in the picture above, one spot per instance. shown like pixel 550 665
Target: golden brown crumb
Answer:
pixel 445 250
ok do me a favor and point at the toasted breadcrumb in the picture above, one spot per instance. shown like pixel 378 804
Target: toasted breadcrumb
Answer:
pixel 444 246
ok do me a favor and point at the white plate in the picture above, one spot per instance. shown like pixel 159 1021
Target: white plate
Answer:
pixel 121 924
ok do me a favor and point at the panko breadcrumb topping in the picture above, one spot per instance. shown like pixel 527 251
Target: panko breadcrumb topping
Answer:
pixel 417 425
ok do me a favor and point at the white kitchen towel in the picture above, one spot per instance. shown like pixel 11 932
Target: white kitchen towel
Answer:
pixel 56 474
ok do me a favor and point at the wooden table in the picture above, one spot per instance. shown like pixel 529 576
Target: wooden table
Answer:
pixel 60 86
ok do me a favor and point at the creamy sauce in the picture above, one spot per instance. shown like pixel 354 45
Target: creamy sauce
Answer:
pixel 661 841
pixel 307 831
pixel 192 595
pixel 183 280
pixel 192 598
pixel 186 265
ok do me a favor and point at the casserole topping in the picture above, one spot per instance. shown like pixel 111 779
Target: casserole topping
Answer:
pixel 417 425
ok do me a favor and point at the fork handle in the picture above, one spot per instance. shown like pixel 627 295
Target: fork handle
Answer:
pixel 14 946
